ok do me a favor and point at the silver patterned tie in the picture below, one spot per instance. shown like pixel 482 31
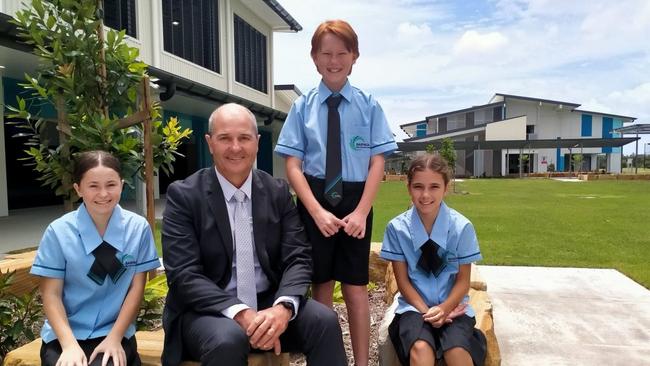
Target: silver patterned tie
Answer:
pixel 245 266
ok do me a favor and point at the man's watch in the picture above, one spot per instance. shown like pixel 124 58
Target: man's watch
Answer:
pixel 288 305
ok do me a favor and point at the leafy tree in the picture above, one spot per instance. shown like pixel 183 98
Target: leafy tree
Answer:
pixel 577 162
pixel 448 152
pixel 93 83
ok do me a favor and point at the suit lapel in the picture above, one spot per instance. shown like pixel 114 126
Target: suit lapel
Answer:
pixel 260 210
pixel 217 204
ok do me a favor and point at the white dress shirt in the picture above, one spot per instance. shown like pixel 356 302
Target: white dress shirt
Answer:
pixel 261 280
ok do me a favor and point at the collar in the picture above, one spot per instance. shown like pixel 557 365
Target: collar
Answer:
pixel 438 232
pixel 324 92
pixel 229 190
pixel 90 236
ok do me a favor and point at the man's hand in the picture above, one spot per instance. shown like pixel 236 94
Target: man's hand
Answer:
pixel 265 329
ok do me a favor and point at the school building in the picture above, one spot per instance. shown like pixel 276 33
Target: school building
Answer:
pixel 512 134
pixel 204 53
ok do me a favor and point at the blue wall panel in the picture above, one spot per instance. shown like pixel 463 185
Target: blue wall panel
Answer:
pixel 585 131
pixel 608 126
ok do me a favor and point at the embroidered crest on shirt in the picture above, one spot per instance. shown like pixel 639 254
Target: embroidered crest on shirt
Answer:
pixel 358 143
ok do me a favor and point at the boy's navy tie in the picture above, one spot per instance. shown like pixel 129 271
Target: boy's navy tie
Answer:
pixel 333 170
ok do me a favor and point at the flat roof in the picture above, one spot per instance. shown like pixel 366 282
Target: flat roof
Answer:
pixel 521 144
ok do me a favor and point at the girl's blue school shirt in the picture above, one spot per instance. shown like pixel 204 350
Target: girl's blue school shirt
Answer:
pixel 455 235
pixel 65 252
pixel 364 132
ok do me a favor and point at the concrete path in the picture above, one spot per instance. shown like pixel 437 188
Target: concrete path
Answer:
pixel 24 228
pixel 569 316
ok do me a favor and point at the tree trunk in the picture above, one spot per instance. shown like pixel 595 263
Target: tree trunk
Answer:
pixel 64 129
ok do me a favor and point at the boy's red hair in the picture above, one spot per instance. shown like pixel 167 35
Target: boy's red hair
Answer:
pixel 341 29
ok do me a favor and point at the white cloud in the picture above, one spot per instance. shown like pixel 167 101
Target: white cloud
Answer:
pixel 407 29
pixel 473 43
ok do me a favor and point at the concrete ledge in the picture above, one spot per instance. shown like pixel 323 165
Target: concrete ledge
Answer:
pixel 23 282
pixel 478 299
pixel 150 346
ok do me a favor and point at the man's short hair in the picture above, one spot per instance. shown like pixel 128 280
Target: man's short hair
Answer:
pixel 231 105
pixel 339 28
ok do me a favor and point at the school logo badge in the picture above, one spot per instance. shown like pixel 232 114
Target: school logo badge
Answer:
pixel 358 143
pixel 128 260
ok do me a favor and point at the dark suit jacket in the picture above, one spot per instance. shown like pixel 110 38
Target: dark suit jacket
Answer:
pixel 198 248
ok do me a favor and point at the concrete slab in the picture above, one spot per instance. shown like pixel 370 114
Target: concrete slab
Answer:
pixel 569 316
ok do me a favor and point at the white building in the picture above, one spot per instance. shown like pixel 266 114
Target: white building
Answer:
pixel 491 139
pixel 204 53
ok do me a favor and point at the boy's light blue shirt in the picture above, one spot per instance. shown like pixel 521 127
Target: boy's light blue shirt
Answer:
pixel 65 252
pixel 364 132
pixel 455 235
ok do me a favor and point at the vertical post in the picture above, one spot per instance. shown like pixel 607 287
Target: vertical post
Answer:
pixel 102 61
pixel 636 154
pixel 148 153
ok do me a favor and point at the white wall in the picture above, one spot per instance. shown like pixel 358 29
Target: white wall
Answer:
pixel 509 129
pixel 4 199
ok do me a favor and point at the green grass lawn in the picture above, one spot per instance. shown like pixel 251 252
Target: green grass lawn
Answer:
pixel 542 222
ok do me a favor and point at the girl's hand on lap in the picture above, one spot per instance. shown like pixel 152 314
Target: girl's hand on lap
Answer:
pixel 355 224
pixel 458 311
pixel 111 349
pixel 72 355
pixel 436 316
pixel 327 223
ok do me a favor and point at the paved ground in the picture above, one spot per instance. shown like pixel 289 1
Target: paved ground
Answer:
pixel 569 316
pixel 24 228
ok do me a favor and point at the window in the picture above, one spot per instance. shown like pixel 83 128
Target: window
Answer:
pixel 120 15
pixel 585 128
pixel 250 56
pixel 421 130
pixel 530 128
pixel 191 31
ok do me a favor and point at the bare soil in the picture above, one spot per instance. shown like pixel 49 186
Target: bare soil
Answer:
pixel 377 309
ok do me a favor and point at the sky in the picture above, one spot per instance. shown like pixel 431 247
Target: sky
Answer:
pixel 420 58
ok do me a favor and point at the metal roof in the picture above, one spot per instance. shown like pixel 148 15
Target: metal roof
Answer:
pixel 282 13
pixel 521 144
pixel 533 99
pixel 606 114
pixel 476 107
pixel 639 129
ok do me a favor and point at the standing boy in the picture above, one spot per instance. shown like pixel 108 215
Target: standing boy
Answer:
pixel 334 141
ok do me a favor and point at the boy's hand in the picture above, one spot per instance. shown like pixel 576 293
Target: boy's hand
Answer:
pixel 436 316
pixel 327 223
pixel 355 224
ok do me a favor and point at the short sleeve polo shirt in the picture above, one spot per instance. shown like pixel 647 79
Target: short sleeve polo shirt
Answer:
pixel 455 235
pixel 364 132
pixel 65 252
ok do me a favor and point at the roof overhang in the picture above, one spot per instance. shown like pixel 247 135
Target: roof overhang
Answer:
pixel 521 144
pixel 498 96
pixel 639 129
pixel 274 14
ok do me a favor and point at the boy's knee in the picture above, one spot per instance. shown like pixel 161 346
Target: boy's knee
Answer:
pixel 420 350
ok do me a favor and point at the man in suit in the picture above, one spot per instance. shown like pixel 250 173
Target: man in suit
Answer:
pixel 238 262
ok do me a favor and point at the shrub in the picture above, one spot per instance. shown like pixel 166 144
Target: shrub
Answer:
pixel 19 316
pixel 151 308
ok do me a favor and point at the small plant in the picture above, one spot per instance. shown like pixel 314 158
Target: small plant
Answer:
pixel 18 316
pixel 550 168
pixel 152 304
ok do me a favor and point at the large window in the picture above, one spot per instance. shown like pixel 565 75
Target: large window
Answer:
pixel 191 31
pixel 250 56
pixel 120 14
